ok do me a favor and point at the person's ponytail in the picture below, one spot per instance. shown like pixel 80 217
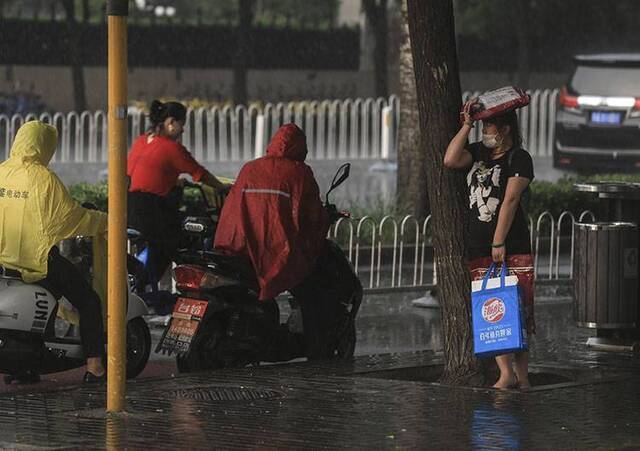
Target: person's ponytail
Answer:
pixel 157 113
pixel 160 111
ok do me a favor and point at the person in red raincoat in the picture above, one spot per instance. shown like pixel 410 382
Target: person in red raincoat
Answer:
pixel 274 216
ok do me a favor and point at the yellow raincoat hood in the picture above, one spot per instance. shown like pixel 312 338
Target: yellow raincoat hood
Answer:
pixel 35 143
pixel 36 210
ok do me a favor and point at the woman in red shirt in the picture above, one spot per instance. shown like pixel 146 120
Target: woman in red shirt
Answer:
pixel 155 162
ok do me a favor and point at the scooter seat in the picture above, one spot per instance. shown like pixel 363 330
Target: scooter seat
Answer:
pixel 238 264
pixel 9 273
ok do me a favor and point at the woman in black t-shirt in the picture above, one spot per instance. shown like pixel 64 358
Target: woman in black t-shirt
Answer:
pixel 499 173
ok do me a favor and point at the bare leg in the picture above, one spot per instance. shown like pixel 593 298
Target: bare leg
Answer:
pixel 94 366
pixel 522 370
pixel 507 377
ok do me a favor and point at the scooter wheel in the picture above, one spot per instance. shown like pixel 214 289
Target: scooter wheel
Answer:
pixel 202 354
pixel 182 363
pixel 347 344
pixel 138 346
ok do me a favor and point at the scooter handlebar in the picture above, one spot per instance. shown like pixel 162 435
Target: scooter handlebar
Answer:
pixel 334 214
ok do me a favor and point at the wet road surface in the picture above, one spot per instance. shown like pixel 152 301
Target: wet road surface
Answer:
pixel 386 401
pixel 385 324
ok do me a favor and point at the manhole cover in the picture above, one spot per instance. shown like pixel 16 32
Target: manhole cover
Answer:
pixel 219 393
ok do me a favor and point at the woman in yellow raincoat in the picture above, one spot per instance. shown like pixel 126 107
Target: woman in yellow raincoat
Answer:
pixel 36 212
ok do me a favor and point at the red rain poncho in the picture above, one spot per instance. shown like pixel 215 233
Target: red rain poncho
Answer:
pixel 274 215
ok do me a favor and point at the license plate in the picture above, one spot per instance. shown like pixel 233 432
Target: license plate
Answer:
pixel 190 309
pixel 185 321
pixel 606 117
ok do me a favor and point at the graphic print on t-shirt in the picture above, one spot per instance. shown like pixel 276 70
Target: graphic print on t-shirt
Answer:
pixel 482 181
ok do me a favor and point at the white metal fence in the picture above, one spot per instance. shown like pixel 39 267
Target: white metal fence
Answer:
pixel 397 253
pixel 336 129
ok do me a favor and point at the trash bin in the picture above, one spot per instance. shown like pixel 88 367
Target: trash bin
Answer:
pixel 605 274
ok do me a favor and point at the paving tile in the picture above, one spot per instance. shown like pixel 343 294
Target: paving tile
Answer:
pixel 339 406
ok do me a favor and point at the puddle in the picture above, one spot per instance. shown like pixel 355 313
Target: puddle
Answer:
pixel 542 377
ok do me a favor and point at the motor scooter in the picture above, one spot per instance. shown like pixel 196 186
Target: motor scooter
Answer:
pixel 35 340
pixel 219 322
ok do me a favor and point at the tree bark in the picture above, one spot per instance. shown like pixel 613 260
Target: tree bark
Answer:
pixel 411 182
pixel 86 12
pixel 432 33
pixel 77 70
pixel 241 57
pixel 522 10
pixel 376 13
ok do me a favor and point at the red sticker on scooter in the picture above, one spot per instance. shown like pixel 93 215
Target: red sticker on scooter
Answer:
pixel 190 309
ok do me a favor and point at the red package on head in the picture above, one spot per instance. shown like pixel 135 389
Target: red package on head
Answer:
pixel 497 102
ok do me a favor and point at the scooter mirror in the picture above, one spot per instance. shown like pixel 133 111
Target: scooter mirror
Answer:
pixel 341 175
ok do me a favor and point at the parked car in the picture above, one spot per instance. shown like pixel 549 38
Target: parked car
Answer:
pixel 598 115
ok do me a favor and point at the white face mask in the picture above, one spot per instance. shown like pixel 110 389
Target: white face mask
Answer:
pixel 491 141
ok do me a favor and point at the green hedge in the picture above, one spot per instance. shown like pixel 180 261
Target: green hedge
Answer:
pixel 560 196
pixel 98 193
pixel 545 196
pixel 86 192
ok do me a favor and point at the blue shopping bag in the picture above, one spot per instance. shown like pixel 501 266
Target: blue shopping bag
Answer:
pixel 498 315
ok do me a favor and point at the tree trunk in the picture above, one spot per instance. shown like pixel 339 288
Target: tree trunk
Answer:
pixel 75 41
pixel 432 34
pixel 376 13
pixel 411 183
pixel 522 10
pixel 86 12
pixel 241 57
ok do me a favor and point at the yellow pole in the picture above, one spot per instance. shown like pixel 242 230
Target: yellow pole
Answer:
pixel 116 437
pixel 117 284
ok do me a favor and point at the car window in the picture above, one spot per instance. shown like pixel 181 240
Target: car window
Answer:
pixel 607 81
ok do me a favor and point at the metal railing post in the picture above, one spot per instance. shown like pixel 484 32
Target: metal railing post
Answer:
pixel 258 150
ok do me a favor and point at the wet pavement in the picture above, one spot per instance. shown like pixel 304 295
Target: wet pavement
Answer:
pixel 384 401
pixel 386 324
